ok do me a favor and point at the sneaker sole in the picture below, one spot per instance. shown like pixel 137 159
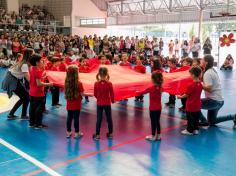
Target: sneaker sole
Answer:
pixel 24 119
pixel 11 118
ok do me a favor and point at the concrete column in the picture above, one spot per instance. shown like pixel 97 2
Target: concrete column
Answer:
pixel 200 24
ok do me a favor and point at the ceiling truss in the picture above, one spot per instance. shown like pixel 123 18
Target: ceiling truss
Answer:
pixel 134 7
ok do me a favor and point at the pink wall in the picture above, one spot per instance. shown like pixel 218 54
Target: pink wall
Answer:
pixel 81 31
pixel 86 8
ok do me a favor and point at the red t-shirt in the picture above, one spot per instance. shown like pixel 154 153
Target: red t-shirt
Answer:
pixel 154 98
pixel 53 68
pixel 84 69
pixel 126 64
pixel 193 103
pixel 75 104
pixel 173 69
pixel 184 68
pixel 48 66
pixel 62 67
pixel 140 68
pixel 103 91
pixel 35 90
pixel 68 60
pixel 107 62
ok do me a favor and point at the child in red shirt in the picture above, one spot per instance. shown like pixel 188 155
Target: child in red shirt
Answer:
pixel 172 66
pixel 55 90
pixel 103 60
pixel 139 66
pixel 156 66
pixel 84 68
pixel 62 65
pixel 193 103
pixel 186 65
pixel 155 106
pixel 103 91
pixel 73 94
pixel 124 61
pixel 141 69
pixel 36 92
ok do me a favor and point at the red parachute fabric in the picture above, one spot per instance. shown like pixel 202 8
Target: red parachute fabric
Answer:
pixel 127 82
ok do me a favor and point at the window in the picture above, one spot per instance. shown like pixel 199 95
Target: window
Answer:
pixel 92 21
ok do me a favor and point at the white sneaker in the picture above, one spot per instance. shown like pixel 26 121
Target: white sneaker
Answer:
pixel 78 135
pixel 151 138
pixel 185 132
pixel 68 134
pixel 196 132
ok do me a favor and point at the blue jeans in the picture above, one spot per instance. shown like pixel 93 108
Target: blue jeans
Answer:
pixel 213 108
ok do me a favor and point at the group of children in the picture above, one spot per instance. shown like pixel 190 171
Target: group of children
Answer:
pixel 103 92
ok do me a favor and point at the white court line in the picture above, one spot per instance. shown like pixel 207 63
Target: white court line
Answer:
pixel 9 161
pixel 29 158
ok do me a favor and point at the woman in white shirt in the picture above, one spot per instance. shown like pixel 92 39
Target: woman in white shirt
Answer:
pixel 214 100
pixel 15 81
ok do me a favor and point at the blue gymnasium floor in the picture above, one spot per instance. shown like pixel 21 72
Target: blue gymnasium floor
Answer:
pixel 212 153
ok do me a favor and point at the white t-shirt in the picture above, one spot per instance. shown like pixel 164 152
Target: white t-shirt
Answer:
pixel 211 78
pixel 18 71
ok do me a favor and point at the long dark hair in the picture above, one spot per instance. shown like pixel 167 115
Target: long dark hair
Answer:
pixel 26 55
pixel 210 61
pixel 156 65
pixel 102 72
pixel 71 83
pixel 157 79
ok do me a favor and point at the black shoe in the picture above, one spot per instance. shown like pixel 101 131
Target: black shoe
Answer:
pixel 11 117
pixel 40 126
pixel 31 126
pixel 37 127
pixel 182 109
pixel 43 126
pixel 204 124
pixel 24 118
pixel 109 135
pixel 96 137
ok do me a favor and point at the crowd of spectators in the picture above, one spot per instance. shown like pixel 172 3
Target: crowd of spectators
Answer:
pixel 27 19
pixel 13 43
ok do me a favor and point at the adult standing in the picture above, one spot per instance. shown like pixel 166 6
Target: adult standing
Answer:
pixel 156 47
pixel 196 47
pixel 213 93
pixel 207 47
pixel 14 82
pixel 185 49
pixel 177 46
pixel 161 45
pixel 171 48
